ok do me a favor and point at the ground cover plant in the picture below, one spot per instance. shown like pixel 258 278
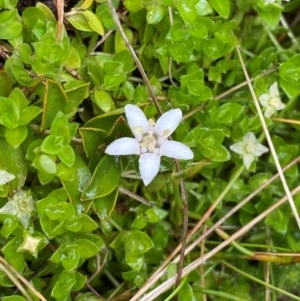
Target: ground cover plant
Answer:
pixel 149 150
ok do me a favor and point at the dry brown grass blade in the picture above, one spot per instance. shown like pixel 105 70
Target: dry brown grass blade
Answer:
pixel 60 14
pixel 170 282
pixel 23 279
pixel 269 139
pixel 159 272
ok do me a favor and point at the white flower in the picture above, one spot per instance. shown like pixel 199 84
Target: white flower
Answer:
pixel 5 177
pixel 249 148
pixel 271 101
pixel 151 141
pixel 31 243
pixel 20 205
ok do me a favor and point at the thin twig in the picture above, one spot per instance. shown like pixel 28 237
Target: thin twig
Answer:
pixel 269 140
pixel 170 282
pixel 134 56
pixel 155 102
pixel 94 291
pixel 159 272
pixel 135 196
pixel 289 32
pixel 171 60
pixel 202 271
pixel 102 40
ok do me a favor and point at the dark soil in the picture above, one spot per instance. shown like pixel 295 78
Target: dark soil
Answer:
pixel 22 4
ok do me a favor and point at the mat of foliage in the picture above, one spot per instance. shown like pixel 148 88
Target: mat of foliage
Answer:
pixel 80 224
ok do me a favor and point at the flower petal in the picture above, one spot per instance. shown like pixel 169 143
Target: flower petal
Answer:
pixel 124 146
pixel 264 99
pixel 248 159
pixel 5 177
pixel 238 148
pixel 260 149
pixel 149 166
pixel 167 123
pixel 249 138
pixel 177 150
pixel 137 121
pixel 269 111
pixel 10 208
pixel 273 90
pixel 280 106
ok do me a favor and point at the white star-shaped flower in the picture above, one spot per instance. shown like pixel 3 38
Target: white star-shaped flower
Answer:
pixel 5 177
pixel 271 101
pixel 249 148
pixel 20 205
pixel 151 141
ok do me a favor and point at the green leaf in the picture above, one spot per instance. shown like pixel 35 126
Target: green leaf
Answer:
pixel 28 114
pixel 270 13
pixel 210 146
pixel 74 180
pixel 67 155
pixel 5 84
pixel 104 14
pixel 31 15
pixel 52 145
pixel 94 22
pixel 222 7
pixel 156 214
pixel 80 281
pixel 54 100
pixel 44 164
pixel 88 224
pixel 155 13
pixel 187 10
pixel 137 243
pixel 12 160
pixel 106 204
pixel 60 211
pixel 203 8
pixel 86 248
pixel 104 180
pixel 13 298
pixel 9 225
pixel 63 285
pixel 228 112
pixel 186 293
pixel 103 100
pixel 74 224
pixel 10 30
pixel 180 53
pixel 16 136
pixel 80 22
pixel 134 6
pixel 278 220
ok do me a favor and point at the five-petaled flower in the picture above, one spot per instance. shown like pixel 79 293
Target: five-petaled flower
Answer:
pixel 5 177
pixel 151 141
pixel 271 101
pixel 20 205
pixel 249 148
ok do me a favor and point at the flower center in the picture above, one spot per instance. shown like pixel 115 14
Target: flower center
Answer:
pixel 273 102
pixel 149 141
pixel 249 148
